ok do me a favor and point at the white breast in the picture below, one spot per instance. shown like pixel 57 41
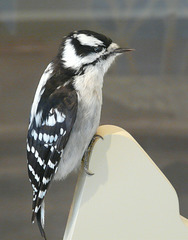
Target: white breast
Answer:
pixel 89 90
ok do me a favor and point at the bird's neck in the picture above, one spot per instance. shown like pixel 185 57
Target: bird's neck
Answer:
pixel 89 85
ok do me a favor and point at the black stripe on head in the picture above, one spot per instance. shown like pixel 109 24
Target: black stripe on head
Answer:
pixel 81 50
pixel 106 41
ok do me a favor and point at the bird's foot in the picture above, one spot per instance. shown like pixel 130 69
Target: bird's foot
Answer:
pixel 88 153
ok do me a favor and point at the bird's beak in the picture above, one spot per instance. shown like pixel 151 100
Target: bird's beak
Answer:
pixel 122 50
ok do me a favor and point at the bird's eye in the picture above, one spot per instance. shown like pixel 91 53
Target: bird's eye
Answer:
pixel 98 49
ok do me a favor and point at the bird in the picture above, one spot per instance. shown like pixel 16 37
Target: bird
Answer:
pixel 65 112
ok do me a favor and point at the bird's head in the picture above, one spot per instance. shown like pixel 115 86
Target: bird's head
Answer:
pixel 84 49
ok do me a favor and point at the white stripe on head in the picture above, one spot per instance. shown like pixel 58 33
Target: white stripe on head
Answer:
pixel 72 60
pixel 88 40
pixel 69 56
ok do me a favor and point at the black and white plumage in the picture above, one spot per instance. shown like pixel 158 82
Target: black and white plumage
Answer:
pixel 66 111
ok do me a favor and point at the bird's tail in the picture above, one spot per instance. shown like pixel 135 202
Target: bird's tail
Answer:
pixel 40 219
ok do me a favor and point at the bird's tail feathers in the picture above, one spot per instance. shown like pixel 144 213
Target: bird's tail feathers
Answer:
pixel 43 213
pixel 40 215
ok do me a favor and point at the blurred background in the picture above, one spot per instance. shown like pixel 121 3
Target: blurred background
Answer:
pixel 145 92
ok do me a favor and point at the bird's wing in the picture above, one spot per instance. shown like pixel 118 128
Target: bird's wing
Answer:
pixel 46 141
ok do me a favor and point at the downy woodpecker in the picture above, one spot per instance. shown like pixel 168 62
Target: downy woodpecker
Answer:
pixel 66 111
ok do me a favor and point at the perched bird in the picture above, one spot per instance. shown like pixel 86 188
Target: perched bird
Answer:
pixel 66 111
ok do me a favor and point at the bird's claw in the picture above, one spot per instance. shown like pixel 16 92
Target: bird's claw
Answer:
pixel 86 162
pixel 97 136
pixel 88 153
pixel 88 172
